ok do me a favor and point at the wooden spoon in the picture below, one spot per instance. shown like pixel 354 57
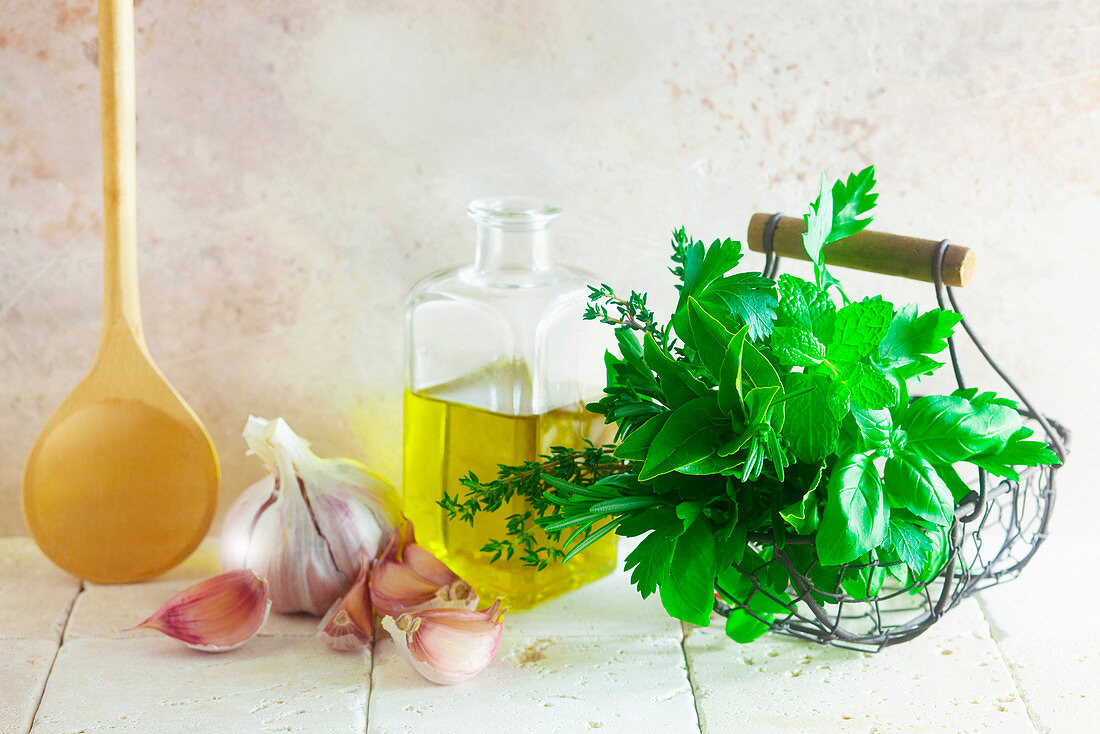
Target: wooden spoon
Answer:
pixel 123 482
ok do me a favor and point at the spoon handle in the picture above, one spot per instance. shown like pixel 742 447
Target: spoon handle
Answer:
pixel 121 307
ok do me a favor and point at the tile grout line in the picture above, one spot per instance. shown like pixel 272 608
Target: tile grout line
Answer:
pixel 690 677
pixel 995 634
pixel 60 644
pixel 370 681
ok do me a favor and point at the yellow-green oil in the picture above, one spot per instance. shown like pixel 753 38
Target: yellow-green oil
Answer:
pixel 445 439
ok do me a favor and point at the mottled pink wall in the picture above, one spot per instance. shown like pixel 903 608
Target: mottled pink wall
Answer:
pixel 302 163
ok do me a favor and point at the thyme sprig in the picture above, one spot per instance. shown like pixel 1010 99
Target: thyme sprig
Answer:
pixel 533 482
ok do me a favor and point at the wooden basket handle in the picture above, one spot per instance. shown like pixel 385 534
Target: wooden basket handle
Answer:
pixel 875 252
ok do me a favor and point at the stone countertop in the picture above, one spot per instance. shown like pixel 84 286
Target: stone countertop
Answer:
pixel 599 658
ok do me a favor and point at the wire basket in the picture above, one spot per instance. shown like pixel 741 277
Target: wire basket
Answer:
pixel 998 527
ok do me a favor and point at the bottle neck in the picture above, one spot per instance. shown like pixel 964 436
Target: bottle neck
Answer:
pixel 509 250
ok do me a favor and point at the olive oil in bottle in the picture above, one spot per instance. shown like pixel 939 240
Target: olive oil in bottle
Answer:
pixel 499 366
pixel 445 438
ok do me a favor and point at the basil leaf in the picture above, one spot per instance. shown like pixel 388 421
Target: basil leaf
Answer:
pixel 910 482
pixel 855 516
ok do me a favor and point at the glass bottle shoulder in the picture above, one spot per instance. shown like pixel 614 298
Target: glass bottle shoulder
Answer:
pixel 465 283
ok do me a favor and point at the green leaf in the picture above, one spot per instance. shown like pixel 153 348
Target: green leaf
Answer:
pixel 859 328
pixel 704 265
pixel 910 543
pixel 819 223
pixel 742 299
pixel 910 482
pixel 958 488
pixel 875 427
pixel 938 556
pixel 756 372
pixel 687 436
pixel 851 201
pixel 802 304
pixel 802 516
pixel 651 560
pixel 838 399
pixel 944 429
pixel 687 590
pixel 855 516
pixel 810 427
pixel 676 381
pixel 864 581
pixel 742 627
pixel 1017 452
pixel 729 374
pixel 871 388
pixel 707 336
pixel 636 445
pixel 910 337
pixel 797 346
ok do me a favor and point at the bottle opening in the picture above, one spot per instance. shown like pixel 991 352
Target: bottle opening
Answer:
pixel 514 213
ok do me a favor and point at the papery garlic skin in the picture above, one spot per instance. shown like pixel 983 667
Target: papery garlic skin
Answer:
pixel 408 578
pixel 447 646
pixel 349 624
pixel 306 526
pixel 215 615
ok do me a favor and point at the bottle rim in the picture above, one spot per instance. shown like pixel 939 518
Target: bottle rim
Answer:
pixel 514 213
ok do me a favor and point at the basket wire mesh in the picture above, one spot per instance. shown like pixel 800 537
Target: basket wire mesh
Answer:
pixel 998 527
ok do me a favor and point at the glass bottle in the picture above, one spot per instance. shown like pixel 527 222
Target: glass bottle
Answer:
pixel 499 367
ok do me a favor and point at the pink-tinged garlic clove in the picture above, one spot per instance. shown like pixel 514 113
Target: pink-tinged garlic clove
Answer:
pixel 215 615
pixel 349 624
pixel 447 646
pixel 408 578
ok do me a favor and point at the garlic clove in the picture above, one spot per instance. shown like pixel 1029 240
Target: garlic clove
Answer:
pixel 408 578
pixel 447 646
pixel 214 615
pixel 349 624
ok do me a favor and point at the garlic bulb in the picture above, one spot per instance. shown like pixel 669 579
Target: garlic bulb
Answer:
pixel 447 646
pixel 215 615
pixel 307 525
pixel 408 578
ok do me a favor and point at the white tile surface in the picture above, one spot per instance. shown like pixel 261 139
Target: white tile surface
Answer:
pixel 542 684
pixel 610 606
pixel 951 679
pixel 1040 622
pixel 35 595
pixel 157 685
pixel 24 665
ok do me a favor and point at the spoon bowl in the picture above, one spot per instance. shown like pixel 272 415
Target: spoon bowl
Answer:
pixel 123 481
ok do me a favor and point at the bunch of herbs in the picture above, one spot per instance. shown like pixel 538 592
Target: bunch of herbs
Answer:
pixel 763 410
